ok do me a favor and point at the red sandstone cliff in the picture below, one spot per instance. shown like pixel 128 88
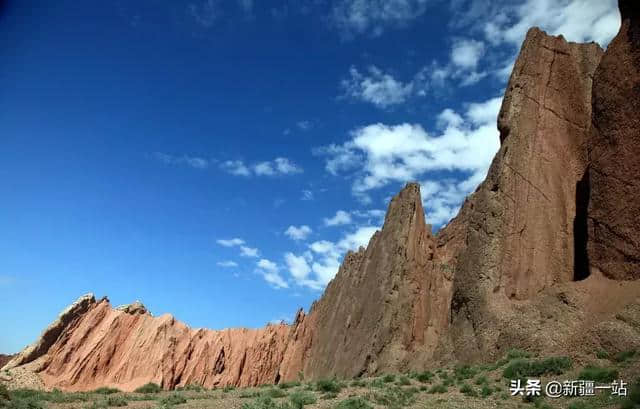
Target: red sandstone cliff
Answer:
pixel 543 255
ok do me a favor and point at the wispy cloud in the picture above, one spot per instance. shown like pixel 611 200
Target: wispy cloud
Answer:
pixel 246 251
pixel 204 13
pixel 278 167
pixel 376 87
pixel 298 233
pixel 192 161
pixel 373 17
pixel 341 217
pixel 307 195
pixel 271 273
pixel 230 242
pixel 227 263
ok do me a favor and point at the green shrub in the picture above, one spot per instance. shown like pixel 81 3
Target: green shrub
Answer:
pixel 632 401
pixel 300 398
pixel 358 383
pixel 464 372
pixel 105 391
pixel 228 388
pixel 580 404
pixel 275 393
pixel 481 380
pixel 523 368
pixel 486 391
pixel 264 402
pixel 388 378
pixel 328 385
pixel 467 390
pixel 117 401
pixel 288 385
pixel 353 403
pixel 602 354
pixel 394 397
pixel 173 399
pixel 598 374
pixel 441 388
pixel 191 387
pixel 404 381
pixel 425 376
pixel 149 388
pixel 624 356
pixel 517 354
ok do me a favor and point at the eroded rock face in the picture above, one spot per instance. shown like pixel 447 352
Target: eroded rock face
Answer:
pixel 387 305
pixel 4 359
pixel 614 172
pixel 126 349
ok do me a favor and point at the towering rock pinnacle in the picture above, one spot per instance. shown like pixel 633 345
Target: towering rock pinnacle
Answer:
pixel 614 174
pixel 382 309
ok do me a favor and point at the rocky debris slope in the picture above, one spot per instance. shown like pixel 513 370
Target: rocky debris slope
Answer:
pixel 543 255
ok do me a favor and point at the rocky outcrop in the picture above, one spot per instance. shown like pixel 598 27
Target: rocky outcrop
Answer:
pixel 613 178
pixel 61 325
pixel 126 348
pixel 387 306
pixel 543 255
pixel 4 359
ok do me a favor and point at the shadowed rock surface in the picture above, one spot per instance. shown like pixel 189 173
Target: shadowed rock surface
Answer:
pixel 614 173
pixel 543 256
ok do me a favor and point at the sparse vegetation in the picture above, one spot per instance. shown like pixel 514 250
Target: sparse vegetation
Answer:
pixel 523 368
pixel 624 356
pixel 106 391
pixel 299 399
pixel 149 388
pixel 425 376
pixel 328 385
pixel 116 401
pixel 173 399
pixel 598 374
pixel 354 403
pixel 388 378
pixel 468 390
pixel 440 388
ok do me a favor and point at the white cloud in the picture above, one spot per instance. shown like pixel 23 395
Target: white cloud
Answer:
pixel 236 167
pixel 372 17
pixel 467 53
pixel 576 20
pixel 230 242
pixel 277 167
pixel 316 268
pixel 307 195
pixel 267 265
pixel 227 263
pixel 192 161
pixel 376 87
pixel 304 125
pixel 270 272
pixel 248 251
pixel 340 218
pixel 404 152
pixel 297 266
pixel 298 233
pixel 204 13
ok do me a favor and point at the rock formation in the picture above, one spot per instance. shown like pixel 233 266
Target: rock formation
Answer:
pixel 4 359
pixel 544 255
pixel 613 178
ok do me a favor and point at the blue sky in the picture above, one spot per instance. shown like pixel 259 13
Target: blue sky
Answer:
pixel 216 159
